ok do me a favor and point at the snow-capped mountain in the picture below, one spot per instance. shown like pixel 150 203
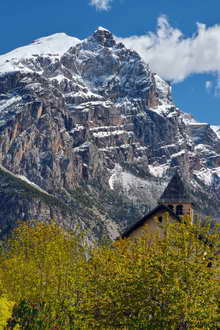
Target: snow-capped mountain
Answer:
pixel 90 136
pixel 20 59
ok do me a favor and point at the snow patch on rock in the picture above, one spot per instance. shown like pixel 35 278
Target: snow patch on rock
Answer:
pixel 9 102
pixel 54 45
pixel 24 178
pixel 216 129
pixel 132 186
pixel 208 175
pixel 158 170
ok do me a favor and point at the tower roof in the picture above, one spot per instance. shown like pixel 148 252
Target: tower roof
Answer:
pixel 175 192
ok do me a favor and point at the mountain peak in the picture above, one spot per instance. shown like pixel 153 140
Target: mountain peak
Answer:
pixel 55 44
pixel 100 28
pixel 104 37
pixel 77 116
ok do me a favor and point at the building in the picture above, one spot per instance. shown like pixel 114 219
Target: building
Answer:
pixel 175 201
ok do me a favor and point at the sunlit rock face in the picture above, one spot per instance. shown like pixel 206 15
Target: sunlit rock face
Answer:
pixel 90 136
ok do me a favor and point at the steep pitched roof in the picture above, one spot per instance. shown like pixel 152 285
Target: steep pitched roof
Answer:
pixel 159 208
pixel 175 192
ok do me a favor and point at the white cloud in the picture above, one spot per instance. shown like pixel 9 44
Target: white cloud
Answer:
pixel 175 57
pixel 101 4
pixel 217 85
pixel 208 85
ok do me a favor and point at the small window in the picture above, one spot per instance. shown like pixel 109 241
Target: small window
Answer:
pixel 160 219
pixel 170 207
pixel 179 210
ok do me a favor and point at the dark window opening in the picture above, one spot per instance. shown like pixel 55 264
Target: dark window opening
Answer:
pixel 170 207
pixel 160 219
pixel 179 210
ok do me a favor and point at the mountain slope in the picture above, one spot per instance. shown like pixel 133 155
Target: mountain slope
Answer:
pixel 90 124
pixel 20 59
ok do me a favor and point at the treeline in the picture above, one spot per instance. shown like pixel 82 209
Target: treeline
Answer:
pixel 49 279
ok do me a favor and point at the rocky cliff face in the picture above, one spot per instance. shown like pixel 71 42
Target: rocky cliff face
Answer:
pixel 90 136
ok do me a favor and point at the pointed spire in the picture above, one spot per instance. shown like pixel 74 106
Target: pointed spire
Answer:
pixel 175 192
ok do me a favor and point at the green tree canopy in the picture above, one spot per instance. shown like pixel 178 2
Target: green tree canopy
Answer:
pixel 155 282
pixel 168 281
pixel 41 265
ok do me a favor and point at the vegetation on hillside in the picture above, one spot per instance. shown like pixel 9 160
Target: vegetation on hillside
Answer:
pixel 51 280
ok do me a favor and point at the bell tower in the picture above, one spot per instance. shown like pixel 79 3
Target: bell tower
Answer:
pixel 176 197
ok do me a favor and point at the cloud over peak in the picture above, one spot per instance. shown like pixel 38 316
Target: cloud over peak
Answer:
pixel 175 57
pixel 101 4
pixel 208 85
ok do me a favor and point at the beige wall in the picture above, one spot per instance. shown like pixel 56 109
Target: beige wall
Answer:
pixel 151 225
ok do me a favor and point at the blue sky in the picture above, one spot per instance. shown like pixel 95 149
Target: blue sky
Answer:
pixel 177 47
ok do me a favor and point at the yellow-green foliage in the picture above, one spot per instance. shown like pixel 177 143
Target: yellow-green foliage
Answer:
pixel 40 265
pixel 5 311
pixel 154 282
